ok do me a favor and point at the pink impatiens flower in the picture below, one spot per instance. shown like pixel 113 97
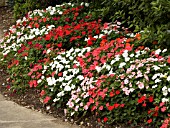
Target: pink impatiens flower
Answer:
pixel 140 85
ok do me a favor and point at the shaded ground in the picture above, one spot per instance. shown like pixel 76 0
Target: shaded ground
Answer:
pixel 6 18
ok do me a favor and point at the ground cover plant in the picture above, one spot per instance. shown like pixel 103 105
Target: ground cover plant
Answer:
pixel 84 66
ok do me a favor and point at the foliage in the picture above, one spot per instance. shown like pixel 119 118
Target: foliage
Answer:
pixel 82 65
pixel 150 15
pixel 22 7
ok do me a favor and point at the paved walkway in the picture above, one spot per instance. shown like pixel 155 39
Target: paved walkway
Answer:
pixel 15 116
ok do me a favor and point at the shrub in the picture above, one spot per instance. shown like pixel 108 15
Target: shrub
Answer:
pixel 149 15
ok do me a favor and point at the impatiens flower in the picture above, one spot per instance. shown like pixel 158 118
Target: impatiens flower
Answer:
pixel 105 119
pixel 168 60
pixel 158 51
pixel 101 108
pixel 156 67
pixel 42 93
pixel 149 121
pixel 165 100
pixel 157 80
pixel 163 109
pixel 150 99
pixel 67 88
pixel 122 64
pixel 161 104
pixel 168 78
pixel 47 98
pixel 59 45
pixel 126 81
pixel 86 107
pixel 140 85
pixel 117 92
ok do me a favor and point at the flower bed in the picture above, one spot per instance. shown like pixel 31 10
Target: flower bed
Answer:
pixel 84 66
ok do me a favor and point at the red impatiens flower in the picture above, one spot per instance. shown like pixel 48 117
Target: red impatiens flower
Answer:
pixel 163 109
pixel 48 45
pixel 122 105
pixel 93 108
pixel 42 93
pixel 36 25
pixel 60 74
pixel 105 119
pixel 89 43
pixel 150 99
pixel 149 111
pixel 116 105
pixel 140 100
pixel 144 104
pixel 156 108
pixel 111 94
pixel 117 92
pixel 33 83
pixel 161 104
pixel 155 114
pixel 48 37
pixel 168 60
pixel 59 45
pixel 47 98
pixel 110 108
pixel 149 121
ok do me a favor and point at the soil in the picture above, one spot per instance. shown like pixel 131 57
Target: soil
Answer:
pixel 30 97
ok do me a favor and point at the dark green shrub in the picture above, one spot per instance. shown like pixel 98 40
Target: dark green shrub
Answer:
pixel 148 15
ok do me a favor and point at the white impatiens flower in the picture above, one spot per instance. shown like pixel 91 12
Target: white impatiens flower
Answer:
pixel 60 94
pixel 51 80
pixel 56 99
pixel 112 62
pixel 122 64
pixel 165 93
pixel 127 59
pixel 73 86
pixel 48 51
pixel 60 79
pixel 39 81
pixel 168 78
pixel 158 51
pixel 125 53
pixel 154 86
pixel 87 4
pixel 154 76
pixel 164 88
pixel 165 100
pixel 98 68
pixel 108 67
pixel 80 77
pixel 71 58
pixel 157 80
pixel 164 50
pixel 69 77
pixel 67 88
pixel 131 55
pixel 156 67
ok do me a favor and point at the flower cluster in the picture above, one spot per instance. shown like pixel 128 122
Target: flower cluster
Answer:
pixel 82 65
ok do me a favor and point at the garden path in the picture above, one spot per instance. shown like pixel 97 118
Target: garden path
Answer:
pixel 14 116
